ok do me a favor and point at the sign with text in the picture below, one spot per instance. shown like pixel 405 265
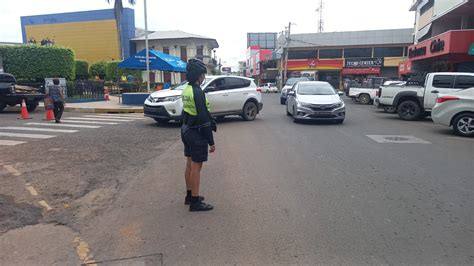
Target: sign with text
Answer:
pixel 364 62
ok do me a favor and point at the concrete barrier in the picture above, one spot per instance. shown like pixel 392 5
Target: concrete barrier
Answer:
pixel 134 98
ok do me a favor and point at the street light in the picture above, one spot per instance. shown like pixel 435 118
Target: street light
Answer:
pixel 147 56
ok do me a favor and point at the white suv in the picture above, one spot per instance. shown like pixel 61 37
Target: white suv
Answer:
pixel 227 95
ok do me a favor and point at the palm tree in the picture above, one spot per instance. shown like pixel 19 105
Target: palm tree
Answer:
pixel 118 12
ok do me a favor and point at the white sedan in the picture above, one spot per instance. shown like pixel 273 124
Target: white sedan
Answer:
pixel 457 110
pixel 269 87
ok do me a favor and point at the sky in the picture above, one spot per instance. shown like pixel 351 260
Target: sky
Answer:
pixel 228 21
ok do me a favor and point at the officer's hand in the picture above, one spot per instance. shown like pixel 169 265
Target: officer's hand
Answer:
pixel 212 149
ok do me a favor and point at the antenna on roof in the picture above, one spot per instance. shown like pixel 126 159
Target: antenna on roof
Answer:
pixel 321 19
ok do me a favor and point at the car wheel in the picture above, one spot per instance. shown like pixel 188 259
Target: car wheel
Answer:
pixel 364 99
pixel 463 125
pixel 409 110
pixel 295 120
pixel 390 109
pixel 2 106
pixel 250 111
pixel 31 106
pixel 162 120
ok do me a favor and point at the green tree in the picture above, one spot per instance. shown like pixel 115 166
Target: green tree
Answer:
pixel 118 12
pixel 82 69
pixel 98 69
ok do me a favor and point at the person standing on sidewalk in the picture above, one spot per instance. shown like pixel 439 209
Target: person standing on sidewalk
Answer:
pixel 57 96
pixel 196 133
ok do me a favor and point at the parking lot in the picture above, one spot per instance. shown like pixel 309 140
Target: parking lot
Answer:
pixel 372 190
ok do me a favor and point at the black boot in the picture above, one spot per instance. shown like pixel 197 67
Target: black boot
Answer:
pixel 188 199
pixel 199 205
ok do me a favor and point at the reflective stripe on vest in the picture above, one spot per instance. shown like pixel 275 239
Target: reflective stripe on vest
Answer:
pixel 189 106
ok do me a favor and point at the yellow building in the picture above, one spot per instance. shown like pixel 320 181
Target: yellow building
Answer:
pixel 91 34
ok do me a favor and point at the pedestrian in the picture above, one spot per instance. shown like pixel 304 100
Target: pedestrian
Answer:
pixel 196 133
pixel 55 92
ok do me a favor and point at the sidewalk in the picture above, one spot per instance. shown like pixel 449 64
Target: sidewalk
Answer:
pixel 112 106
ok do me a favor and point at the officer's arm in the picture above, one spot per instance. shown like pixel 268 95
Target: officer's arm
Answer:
pixel 203 115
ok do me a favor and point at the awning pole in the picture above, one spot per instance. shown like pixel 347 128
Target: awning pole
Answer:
pixel 146 48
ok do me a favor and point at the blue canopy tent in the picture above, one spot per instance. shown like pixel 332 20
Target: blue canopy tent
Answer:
pixel 158 61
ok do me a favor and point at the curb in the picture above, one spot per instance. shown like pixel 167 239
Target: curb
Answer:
pixel 100 110
pixel 103 110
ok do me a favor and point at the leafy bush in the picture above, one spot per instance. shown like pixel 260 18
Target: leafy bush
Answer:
pixel 82 69
pixel 98 69
pixel 34 62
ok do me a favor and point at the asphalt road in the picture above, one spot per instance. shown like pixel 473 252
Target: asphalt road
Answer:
pixel 283 192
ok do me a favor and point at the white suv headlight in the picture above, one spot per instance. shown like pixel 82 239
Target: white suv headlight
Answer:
pixel 170 99
pixel 339 104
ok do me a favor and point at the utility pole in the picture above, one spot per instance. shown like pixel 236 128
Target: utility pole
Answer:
pixel 321 19
pixel 147 56
pixel 288 40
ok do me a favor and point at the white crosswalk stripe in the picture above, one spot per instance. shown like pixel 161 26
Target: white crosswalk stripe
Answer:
pixel 124 114
pixel 39 129
pixel 87 122
pixel 62 125
pixel 10 142
pixel 21 135
pixel 115 117
pixel 100 119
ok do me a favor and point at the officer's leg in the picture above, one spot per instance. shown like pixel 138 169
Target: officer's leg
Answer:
pixel 187 174
pixel 195 178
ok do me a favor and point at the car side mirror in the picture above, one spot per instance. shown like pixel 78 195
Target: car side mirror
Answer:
pixel 210 89
pixel 435 91
pixel 291 93
pixel 340 93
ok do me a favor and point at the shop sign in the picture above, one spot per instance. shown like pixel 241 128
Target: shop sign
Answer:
pixel 416 51
pixel 364 62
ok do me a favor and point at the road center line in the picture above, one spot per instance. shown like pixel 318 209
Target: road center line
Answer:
pixel 12 170
pixel 45 205
pixel 83 251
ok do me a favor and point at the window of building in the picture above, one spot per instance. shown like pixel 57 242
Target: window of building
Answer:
pixel 330 53
pixel 166 50
pixel 303 54
pixel 200 51
pixel 443 81
pixel 426 7
pixel 357 52
pixel 388 51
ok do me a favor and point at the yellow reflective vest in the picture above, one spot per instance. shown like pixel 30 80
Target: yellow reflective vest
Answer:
pixel 189 105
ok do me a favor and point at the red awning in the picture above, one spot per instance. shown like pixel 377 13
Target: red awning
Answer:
pixel 361 71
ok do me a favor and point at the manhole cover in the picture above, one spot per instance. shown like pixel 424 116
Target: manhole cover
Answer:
pixel 397 139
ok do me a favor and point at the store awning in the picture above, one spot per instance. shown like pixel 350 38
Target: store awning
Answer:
pixel 158 61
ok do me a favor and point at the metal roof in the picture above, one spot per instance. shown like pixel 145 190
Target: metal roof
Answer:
pixel 352 38
pixel 174 34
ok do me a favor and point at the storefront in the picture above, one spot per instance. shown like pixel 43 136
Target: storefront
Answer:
pixel 446 52
pixel 318 69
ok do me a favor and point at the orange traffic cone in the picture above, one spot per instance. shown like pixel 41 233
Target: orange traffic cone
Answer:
pixel 24 111
pixel 49 115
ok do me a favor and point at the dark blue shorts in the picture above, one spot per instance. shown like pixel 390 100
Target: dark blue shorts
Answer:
pixel 195 146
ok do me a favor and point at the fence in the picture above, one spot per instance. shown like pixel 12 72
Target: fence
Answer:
pixel 85 90
pixel 116 88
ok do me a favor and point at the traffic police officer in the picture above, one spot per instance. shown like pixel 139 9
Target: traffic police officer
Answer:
pixel 196 133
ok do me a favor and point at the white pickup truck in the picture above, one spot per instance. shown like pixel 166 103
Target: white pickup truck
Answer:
pixel 365 93
pixel 415 102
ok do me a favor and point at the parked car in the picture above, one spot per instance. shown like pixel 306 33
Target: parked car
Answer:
pixel 414 102
pixel 227 95
pixel 456 109
pixel 12 94
pixel 365 93
pixel 289 84
pixel 387 109
pixel 269 87
pixel 315 100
